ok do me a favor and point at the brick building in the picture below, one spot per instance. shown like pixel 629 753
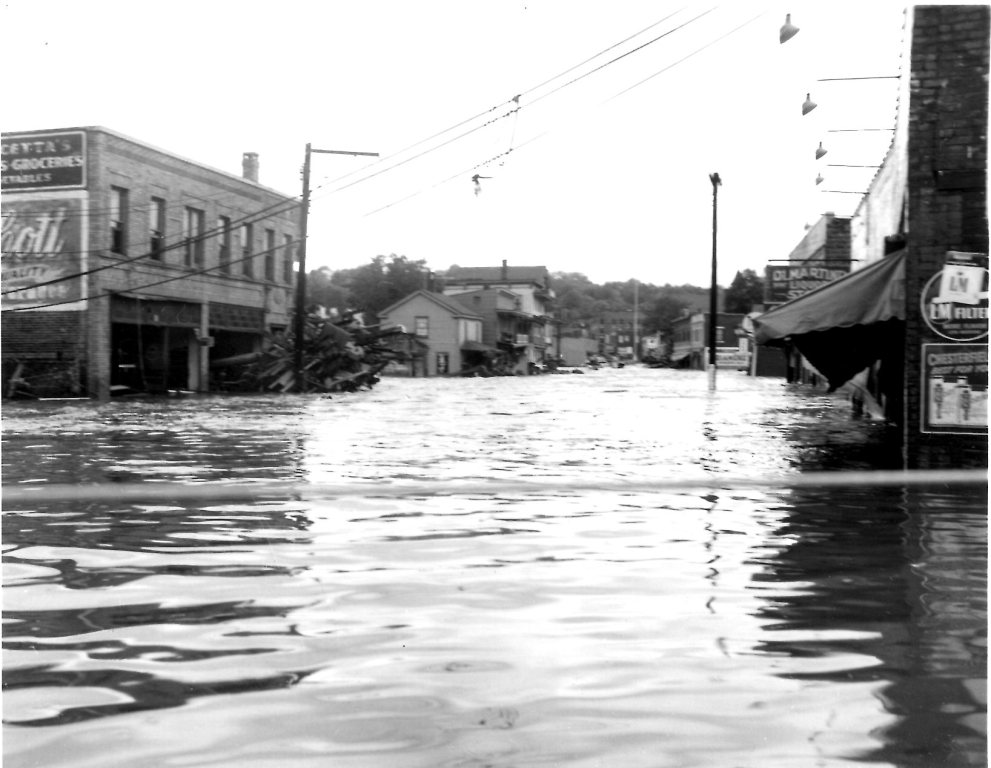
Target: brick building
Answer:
pixel 909 326
pixel 126 268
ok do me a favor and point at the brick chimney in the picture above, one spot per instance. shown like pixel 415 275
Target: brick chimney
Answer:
pixel 249 166
pixel 505 271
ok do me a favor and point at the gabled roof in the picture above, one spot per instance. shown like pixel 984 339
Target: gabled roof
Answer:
pixel 448 303
pixel 497 275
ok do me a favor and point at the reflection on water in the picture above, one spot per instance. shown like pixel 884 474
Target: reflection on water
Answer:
pixel 781 627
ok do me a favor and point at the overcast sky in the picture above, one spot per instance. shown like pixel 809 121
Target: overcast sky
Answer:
pixel 607 175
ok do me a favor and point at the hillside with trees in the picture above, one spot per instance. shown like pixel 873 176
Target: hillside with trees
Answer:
pixel 580 303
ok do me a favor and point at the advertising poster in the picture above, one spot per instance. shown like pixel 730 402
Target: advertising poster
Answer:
pixel 44 242
pixel 955 299
pixel 955 388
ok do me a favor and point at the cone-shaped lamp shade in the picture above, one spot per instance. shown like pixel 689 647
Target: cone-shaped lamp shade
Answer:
pixel 788 31
pixel 819 179
pixel 821 151
pixel 809 105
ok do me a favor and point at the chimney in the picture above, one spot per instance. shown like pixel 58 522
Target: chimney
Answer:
pixel 249 166
pixel 505 271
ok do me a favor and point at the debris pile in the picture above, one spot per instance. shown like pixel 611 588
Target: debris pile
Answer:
pixel 338 356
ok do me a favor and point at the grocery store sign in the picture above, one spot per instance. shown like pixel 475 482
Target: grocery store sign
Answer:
pixel 43 161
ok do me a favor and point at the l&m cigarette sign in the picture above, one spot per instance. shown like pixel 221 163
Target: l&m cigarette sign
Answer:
pixel 955 299
pixel 43 161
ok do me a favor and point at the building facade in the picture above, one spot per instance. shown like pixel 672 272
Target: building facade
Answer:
pixel 450 332
pixel 690 341
pixel 911 322
pixel 523 301
pixel 126 268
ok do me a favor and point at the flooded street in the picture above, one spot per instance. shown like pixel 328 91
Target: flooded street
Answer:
pixel 778 627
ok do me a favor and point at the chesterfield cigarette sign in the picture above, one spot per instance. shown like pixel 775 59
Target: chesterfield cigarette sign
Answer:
pixel 43 161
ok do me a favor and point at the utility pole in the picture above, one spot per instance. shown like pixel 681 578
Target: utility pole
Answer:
pixel 713 301
pixel 636 321
pixel 300 319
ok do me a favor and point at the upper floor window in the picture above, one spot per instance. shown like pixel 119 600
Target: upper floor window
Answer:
pixel 422 326
pixel 156 228
pixel 224 250
pixel 118 220
pixel 288 257
pixel 247 257
pixel 270 255
pixel 193 229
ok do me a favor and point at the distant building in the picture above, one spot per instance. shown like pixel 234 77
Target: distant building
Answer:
pixel 450 332
pixel 126 267
pixel 690 339
pixel 519 303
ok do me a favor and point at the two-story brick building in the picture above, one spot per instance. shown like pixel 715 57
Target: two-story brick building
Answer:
pixel 126 267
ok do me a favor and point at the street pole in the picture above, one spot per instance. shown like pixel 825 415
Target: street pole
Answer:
pixel 713 296
pixel 300 318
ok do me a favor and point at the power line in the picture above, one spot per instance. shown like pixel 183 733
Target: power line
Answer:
pixel 517 107
pixel 614 96
pixel 203 237
pixel 183 276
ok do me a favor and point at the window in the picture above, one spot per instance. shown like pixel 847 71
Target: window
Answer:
pixel 288 259
pixel 443 362
pixel 118 220
pixel 156 228
pixel 270 255
pixel 422 327
pixel 247 260
pixel 224 252
pixel 192 233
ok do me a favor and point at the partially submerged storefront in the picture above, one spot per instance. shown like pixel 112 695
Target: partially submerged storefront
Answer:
pixel 848 326
pixel 910 328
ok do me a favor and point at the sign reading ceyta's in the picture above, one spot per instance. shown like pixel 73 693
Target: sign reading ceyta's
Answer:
pixel 43 244
pixel 955 388
pixel 954 302
pixel 786 282
pixel 43 160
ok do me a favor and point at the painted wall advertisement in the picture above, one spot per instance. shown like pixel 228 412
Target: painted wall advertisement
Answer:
pixel 784 283
pixel 43 241
pixel 43 161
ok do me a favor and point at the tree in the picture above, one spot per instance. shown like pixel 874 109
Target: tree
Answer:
pixel 374 286
pixel 746 290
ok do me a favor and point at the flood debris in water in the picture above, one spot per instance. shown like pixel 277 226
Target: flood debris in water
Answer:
pixel 339 355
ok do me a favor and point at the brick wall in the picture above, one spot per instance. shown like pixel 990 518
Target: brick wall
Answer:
pixel 947 183
pixel 50 349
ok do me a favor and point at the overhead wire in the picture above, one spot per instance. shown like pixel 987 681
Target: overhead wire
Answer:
pixel 131 289
pixel 600 104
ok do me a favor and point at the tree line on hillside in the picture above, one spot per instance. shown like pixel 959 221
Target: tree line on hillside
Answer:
pixel 372 287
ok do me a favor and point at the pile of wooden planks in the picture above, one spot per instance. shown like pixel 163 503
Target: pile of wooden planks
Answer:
pixel 338 356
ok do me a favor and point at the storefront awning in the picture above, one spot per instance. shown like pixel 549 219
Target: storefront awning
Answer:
pixel 869 295
pixel 846 325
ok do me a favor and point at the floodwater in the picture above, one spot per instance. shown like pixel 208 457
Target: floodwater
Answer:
pixel 779 627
